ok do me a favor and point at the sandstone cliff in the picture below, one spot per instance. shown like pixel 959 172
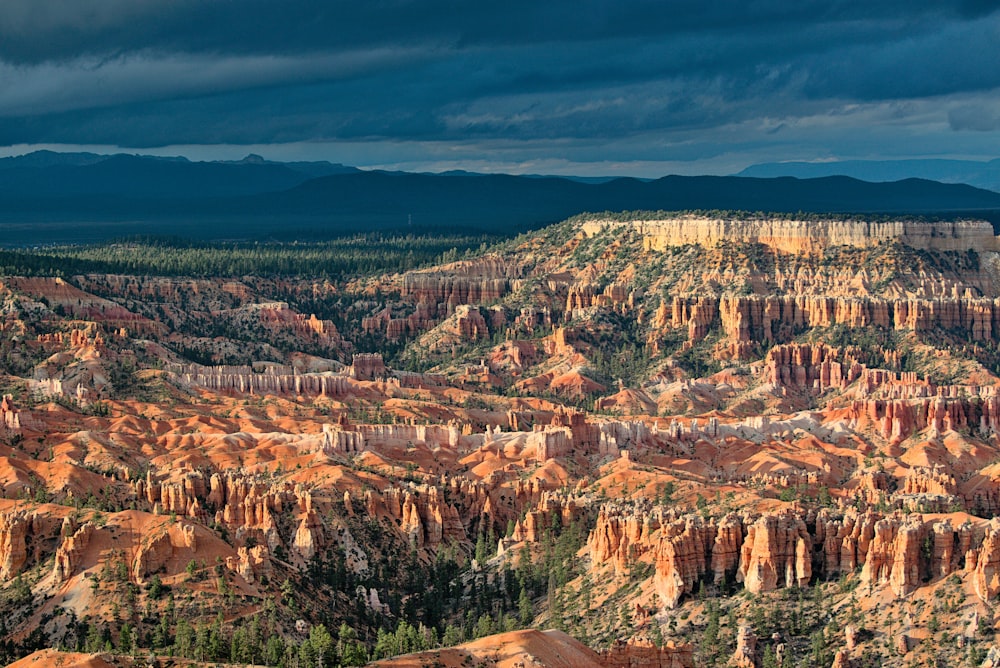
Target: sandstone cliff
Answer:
pixel 801 236
pixel 641 653
pixel 899 552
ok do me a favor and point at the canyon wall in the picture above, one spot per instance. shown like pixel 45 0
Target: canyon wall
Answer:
pixel 248 382
pixel 789 548
pixel 805 236
pixel 770 318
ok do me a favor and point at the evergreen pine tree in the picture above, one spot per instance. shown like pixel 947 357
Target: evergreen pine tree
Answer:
pixel 525 611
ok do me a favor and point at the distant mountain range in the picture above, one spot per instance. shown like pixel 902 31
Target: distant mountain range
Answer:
pixel 46 174
pixel 50 197
pixel 974 173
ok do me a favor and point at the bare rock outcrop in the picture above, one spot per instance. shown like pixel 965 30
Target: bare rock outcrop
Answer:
pixel 10 416
pixel 810 366
pixel 682 556
pixel 69 554
pixel 803 237
pixel 776 549
pixel 162 547
pixel 897 419
pixel 619 538
pixel 309 536
pixel 14 529
pixel 642 653
pixel 424 515
pixel 26 537
pixel 775 318
pixel 367 366
pixel 745 655
pixel 985 562
pixel 252 563
pixel 280 381
pixel 841 659
pixel 439 287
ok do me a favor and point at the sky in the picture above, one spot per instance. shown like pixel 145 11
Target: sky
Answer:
pixel 587 87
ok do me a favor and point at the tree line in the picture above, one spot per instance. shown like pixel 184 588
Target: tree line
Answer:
pixel 355 255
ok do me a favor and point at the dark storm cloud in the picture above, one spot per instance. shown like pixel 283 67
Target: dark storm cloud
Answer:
pixel 32 31
pixel 147 73
pixel 980 118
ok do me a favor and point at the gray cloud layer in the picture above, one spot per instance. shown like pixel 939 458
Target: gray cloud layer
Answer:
pixel 652 80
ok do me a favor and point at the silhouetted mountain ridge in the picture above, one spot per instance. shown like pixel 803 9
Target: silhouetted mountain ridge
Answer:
pixel 981 174
pixel 58 175
pixel 75 197
pixel 553 198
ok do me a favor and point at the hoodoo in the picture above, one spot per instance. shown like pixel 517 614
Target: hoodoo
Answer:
pixel 686 439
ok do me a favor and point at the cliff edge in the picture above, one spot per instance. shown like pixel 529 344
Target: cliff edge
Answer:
pixel 808 236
